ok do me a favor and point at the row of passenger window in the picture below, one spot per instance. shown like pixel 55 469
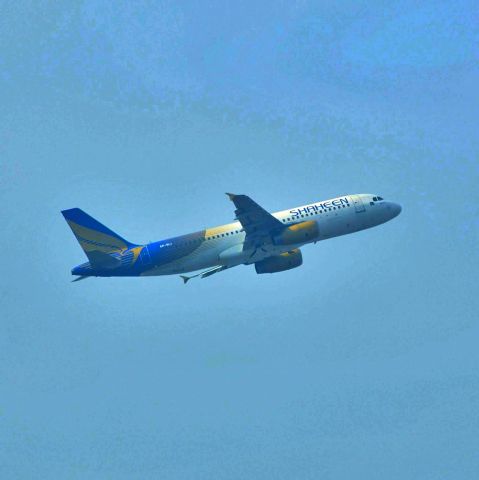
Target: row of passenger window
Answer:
pixel 220 235
pixel 199 240
pixel 290 219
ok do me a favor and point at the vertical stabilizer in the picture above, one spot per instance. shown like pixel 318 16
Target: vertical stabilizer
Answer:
pixel 93 237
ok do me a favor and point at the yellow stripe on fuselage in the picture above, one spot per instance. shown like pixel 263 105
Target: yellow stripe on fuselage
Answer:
pixel 136 252
pixel 210 232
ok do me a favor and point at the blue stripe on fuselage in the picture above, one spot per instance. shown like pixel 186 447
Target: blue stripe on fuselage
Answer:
pixel 171 249
pixel 160 253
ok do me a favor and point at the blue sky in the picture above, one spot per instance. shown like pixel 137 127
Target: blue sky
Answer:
pixel 363 362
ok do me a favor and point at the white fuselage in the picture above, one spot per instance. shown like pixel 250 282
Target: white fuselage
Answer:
pixel 223 245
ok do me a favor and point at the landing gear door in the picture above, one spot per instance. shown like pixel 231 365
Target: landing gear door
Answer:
pixel 358 203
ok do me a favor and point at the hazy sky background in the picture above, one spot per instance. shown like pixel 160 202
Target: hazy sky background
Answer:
pixel 363 363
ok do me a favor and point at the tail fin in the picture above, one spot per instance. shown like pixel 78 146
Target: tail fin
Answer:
pixel 92 235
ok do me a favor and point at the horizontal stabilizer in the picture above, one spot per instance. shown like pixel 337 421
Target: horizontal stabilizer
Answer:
pixel 81 277
pixel 99 260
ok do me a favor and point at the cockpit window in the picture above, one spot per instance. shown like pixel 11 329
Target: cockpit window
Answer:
pixel 380 198
pixel 375 199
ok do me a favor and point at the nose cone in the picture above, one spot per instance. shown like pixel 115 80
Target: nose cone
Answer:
pixel 394 209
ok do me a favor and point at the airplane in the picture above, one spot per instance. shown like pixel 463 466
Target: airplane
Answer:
pixel 270 241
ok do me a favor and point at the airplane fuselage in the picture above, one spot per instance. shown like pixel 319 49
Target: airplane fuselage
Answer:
pixel 225 245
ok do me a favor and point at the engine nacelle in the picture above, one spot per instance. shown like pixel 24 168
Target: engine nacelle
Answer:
pixel 300 233
pixel 280 263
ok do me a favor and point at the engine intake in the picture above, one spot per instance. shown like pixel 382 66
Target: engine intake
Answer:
pixel 280 263
pixel 300 233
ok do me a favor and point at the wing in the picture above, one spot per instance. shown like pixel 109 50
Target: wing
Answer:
pixel 255 220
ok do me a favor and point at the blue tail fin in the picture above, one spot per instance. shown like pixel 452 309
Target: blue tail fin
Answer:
pixel 92 235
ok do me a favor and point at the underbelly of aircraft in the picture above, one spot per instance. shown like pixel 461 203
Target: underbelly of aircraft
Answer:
pixel 203 260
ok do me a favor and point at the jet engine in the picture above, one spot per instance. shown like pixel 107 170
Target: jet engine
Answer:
pixel 280 263
pixel 300 233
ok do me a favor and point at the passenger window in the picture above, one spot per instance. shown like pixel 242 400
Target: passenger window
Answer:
pixel 371 203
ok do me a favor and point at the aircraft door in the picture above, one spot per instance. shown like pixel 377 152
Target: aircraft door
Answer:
pixel 358 203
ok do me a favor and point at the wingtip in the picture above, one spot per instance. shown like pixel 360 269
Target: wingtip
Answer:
pixel 185 279
pixel 231 195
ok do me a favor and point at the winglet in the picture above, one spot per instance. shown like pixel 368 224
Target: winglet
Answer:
pixel 185 279
pixel 231 196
